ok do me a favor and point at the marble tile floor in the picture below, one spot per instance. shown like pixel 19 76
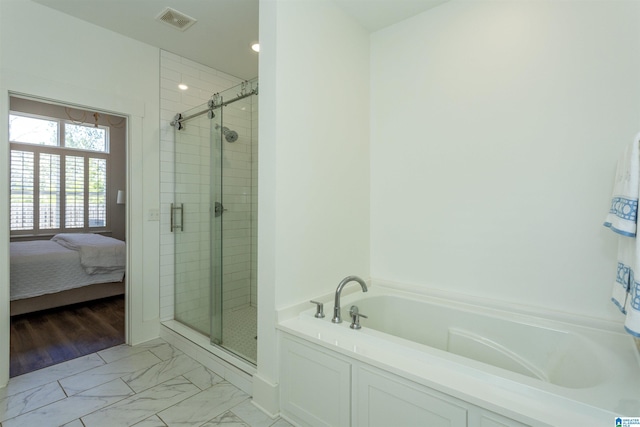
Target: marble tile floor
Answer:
pixel 149 385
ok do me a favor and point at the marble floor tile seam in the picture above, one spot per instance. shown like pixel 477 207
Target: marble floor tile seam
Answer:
pixel 107 372
pixel 140 406
pixel 92 418
pixel 204 406
pixel 50 374
pixel 155 413
pixel 29 400
pixel 73 407
pixel 160 348
pixel 214 380
pixel 174 369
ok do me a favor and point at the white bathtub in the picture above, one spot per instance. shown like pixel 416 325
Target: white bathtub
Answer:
pixel 534 370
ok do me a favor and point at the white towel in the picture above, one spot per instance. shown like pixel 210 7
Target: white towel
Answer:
pixel 623 215
pixel 622 219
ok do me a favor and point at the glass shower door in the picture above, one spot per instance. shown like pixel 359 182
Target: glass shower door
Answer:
pixel 197 231
pixel 214 220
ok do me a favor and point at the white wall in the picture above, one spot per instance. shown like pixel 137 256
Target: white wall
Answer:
pixel 314 163
pixel 495 128
pixel 47 54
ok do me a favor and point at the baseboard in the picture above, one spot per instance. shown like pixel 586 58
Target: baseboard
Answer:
pixel 266 396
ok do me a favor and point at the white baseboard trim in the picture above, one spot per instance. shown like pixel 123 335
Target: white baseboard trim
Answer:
pixel 266 396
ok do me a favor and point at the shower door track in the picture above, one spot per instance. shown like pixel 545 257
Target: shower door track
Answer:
pixel 212 106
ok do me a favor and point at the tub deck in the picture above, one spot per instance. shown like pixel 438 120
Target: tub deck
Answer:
pixel 554 373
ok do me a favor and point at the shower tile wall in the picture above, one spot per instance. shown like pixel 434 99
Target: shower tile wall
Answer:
pixel 237 190
pixel 203 82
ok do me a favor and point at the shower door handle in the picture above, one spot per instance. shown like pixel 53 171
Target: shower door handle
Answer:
pixel 174 209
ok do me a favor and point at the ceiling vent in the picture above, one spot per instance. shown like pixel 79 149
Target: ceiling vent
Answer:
pixel 176 19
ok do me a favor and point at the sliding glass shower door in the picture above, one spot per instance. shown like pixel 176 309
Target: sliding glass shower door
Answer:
pixel 214 219
pixel 196 225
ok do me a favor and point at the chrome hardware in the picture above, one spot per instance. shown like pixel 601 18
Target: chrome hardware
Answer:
pixel 319 309
pixel 218 209
pixel 336 306
pixel 174 209
pixel 177 122
pixel 355 317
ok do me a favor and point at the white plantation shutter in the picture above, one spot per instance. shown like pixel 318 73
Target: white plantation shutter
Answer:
pixel 49 194
pixel 74 192
pixel 97 192
pixel 22 177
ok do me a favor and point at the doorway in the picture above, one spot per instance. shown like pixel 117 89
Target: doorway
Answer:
pixel 67 230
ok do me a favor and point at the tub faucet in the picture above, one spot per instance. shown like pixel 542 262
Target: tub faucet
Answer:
pixel 336 306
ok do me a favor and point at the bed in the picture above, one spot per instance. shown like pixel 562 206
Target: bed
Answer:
pixel 69 268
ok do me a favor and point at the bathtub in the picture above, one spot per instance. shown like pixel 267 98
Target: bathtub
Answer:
pixel 534 370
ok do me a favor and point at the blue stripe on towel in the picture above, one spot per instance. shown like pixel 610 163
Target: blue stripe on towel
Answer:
pixel 621 232
pixel 634 333
pixel 621 308
pixel 623 208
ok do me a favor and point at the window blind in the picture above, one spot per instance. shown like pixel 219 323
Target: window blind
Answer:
pixel 22 185
pixel 49 194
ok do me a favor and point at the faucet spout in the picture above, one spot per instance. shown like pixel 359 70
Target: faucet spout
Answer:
pixel 336 307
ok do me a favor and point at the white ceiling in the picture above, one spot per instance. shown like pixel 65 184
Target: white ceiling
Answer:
pixel 224 28
pixel 377 14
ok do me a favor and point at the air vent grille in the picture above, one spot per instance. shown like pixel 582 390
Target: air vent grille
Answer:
pixel 176 19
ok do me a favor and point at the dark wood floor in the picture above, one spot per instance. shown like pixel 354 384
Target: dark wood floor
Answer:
pixel 53 336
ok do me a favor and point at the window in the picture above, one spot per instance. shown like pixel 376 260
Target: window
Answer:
pixel 59 176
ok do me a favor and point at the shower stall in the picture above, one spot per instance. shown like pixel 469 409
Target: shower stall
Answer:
pixel 214 219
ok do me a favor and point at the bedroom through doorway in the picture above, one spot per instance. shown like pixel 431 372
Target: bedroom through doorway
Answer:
pixel 67 232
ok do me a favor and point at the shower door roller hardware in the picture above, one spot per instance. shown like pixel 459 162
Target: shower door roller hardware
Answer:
pixel 175 208
pixel 177 122
pixel 218 209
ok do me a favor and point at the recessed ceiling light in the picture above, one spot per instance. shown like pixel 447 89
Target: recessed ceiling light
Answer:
pixel 183 86
pixel 255 47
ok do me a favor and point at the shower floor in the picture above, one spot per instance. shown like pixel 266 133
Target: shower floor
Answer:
pixel 239 332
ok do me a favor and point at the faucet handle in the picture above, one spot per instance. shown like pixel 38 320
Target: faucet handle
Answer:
pixel 355 317
pixel 319 309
